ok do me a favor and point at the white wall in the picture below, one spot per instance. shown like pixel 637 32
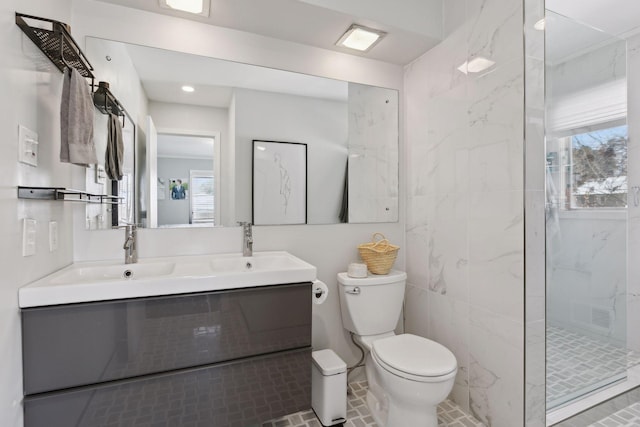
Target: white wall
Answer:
pixel 465 207
pixel 330 248
pixel 125 85
pixel 229 214
pixel 96 18
pixel 177 211
pixel 168 116
pixel 121 75
pixel 30 86
pixel 319 123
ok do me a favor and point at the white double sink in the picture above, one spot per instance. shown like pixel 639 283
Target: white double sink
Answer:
pixel 100 281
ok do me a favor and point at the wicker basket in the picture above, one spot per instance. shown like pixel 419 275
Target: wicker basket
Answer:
pixel 379 254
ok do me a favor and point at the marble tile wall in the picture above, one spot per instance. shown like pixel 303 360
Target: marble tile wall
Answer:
pixel 373 162
pixel 587 270
pixel 466 196
pixel 534 219
pixel 633 147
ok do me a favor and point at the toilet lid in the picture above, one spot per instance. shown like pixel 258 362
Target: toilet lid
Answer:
pixel 414 355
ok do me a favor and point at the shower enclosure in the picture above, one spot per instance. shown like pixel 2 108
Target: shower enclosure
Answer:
pixel 588 197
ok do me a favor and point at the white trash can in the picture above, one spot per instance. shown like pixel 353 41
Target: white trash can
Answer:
pixel 329 387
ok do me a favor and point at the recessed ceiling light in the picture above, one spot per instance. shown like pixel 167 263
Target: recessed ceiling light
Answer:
pixel 476 65
pixel 198 7
pixel 188 89
pixel 539 25
pixel 360 38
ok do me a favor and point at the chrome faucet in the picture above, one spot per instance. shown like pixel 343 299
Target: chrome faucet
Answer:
pixel 247 238
pixel 130 251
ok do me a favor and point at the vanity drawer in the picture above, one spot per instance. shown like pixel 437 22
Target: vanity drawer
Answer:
pixel 80 344
pixel 235 394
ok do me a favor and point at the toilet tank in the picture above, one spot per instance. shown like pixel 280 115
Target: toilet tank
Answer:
pixel 371 305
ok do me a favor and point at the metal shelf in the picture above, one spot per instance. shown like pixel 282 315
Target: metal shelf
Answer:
pixel 56 43
pixel 65 194
pixel 106 102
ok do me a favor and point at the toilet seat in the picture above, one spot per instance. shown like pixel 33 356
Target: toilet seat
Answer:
pixel 414 358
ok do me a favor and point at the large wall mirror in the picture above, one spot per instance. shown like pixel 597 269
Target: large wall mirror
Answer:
pixel 198 117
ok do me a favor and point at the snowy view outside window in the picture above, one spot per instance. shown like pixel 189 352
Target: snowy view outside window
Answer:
pixel 599 169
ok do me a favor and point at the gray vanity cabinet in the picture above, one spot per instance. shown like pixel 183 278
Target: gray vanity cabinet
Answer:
pixel 223 358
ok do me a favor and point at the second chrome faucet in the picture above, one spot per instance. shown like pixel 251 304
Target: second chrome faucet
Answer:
pixel 130 244
pixel 247 238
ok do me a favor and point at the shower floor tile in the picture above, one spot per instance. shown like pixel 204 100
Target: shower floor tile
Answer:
pixel 358 415
pixel 575 362
pixel 627 417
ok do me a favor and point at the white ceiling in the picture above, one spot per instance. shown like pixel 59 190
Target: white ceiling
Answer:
pixel 591 24
pixel 163 73
pixel 615 17
pixel 567 38
pixel 185 147
pixel 413 26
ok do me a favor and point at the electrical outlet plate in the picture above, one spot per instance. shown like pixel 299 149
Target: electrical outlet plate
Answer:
pixel 53 236
pixel 28 237
pixel 27 146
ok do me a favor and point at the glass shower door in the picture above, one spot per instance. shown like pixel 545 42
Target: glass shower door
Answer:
pixel 586 209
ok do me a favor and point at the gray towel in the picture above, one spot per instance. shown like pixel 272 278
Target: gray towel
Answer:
pixel 76 121
pixel 114 154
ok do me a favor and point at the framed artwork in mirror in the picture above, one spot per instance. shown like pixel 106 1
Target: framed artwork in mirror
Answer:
pixel 179 188
pixel 279 190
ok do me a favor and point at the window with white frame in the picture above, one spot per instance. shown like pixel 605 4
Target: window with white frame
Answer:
pixel 589 169
pixel 202 199
pixel 587 148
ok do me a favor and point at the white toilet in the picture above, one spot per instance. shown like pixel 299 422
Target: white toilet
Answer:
pixel 408 375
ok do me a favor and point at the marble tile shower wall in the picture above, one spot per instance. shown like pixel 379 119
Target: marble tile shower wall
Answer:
pixel 633 147
pixel 534 223
pixel 466 196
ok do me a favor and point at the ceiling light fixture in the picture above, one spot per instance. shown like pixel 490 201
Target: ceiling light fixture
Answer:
pixel 197 7
pixel 476 65
pixel 360 38
pixel 188 89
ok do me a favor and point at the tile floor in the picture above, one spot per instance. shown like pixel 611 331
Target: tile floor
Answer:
pixel 575 362
pixel 449 414
pixel 627 417
pixel 620 411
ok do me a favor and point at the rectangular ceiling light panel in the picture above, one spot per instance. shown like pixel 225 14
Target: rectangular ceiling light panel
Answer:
pixel 360 38
pixel 197 7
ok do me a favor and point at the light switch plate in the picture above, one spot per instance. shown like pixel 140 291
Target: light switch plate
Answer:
pixel 28 237
pixel 27 146
pixel 53 236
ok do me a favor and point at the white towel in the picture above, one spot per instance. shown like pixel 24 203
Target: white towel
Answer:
pixel 114 154
pixel 76 121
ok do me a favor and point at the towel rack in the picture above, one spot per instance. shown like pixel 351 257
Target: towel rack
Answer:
pixel 66 194
pixel 106 102
pixel 63 51
pixel 57 44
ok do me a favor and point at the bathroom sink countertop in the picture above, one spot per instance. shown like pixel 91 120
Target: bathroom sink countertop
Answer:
pixel 109 280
